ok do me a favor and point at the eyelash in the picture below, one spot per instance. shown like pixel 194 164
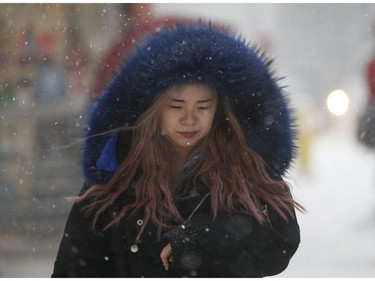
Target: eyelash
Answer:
pixel 179 107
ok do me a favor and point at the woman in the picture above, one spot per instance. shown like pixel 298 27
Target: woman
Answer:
pixel 183 163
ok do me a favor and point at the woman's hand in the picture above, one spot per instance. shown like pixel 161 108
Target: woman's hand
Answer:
pixel 165 254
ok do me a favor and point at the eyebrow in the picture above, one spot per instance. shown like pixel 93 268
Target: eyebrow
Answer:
pixel 200 101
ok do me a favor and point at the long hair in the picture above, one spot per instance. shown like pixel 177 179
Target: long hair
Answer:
pixel 239 179
pixel 235 174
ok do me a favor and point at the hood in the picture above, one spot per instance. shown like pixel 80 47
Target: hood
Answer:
pixel 190 53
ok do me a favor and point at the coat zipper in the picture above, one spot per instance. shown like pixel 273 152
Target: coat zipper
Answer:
pixel 265 212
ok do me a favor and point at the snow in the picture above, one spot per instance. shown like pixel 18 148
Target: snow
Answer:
pixel 338 230
pixel 333 43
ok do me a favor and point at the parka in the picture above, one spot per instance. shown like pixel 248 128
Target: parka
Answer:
pixel 228 245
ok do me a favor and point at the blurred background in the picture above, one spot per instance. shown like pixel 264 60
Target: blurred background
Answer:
pixel 55 59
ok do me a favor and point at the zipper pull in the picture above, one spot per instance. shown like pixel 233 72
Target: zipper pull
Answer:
pixel 265 212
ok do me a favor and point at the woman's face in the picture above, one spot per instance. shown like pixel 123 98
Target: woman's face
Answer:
pixel 187 115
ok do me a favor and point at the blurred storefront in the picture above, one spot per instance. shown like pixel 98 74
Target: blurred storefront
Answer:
pixel 49 54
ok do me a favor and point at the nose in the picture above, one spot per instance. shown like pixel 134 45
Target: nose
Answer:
pixel 189 118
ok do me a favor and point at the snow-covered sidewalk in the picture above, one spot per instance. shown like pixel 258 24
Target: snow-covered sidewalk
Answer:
pixel 338 230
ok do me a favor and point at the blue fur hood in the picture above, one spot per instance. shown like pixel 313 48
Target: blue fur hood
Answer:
pixel 191 53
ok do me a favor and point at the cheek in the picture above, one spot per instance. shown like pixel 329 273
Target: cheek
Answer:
pixel 207 120
pixel 167 123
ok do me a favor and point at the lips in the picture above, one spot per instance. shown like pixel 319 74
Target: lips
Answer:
pixel 188 135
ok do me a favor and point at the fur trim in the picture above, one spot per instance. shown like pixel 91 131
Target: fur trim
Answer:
pixel 197 53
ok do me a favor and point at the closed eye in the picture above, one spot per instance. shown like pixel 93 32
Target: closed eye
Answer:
pixel 175 106
pixel 204 107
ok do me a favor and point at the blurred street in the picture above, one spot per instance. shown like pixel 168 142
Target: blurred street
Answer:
pixel 338 229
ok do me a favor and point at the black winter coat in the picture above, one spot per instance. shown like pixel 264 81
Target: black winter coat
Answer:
pixel 231 245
